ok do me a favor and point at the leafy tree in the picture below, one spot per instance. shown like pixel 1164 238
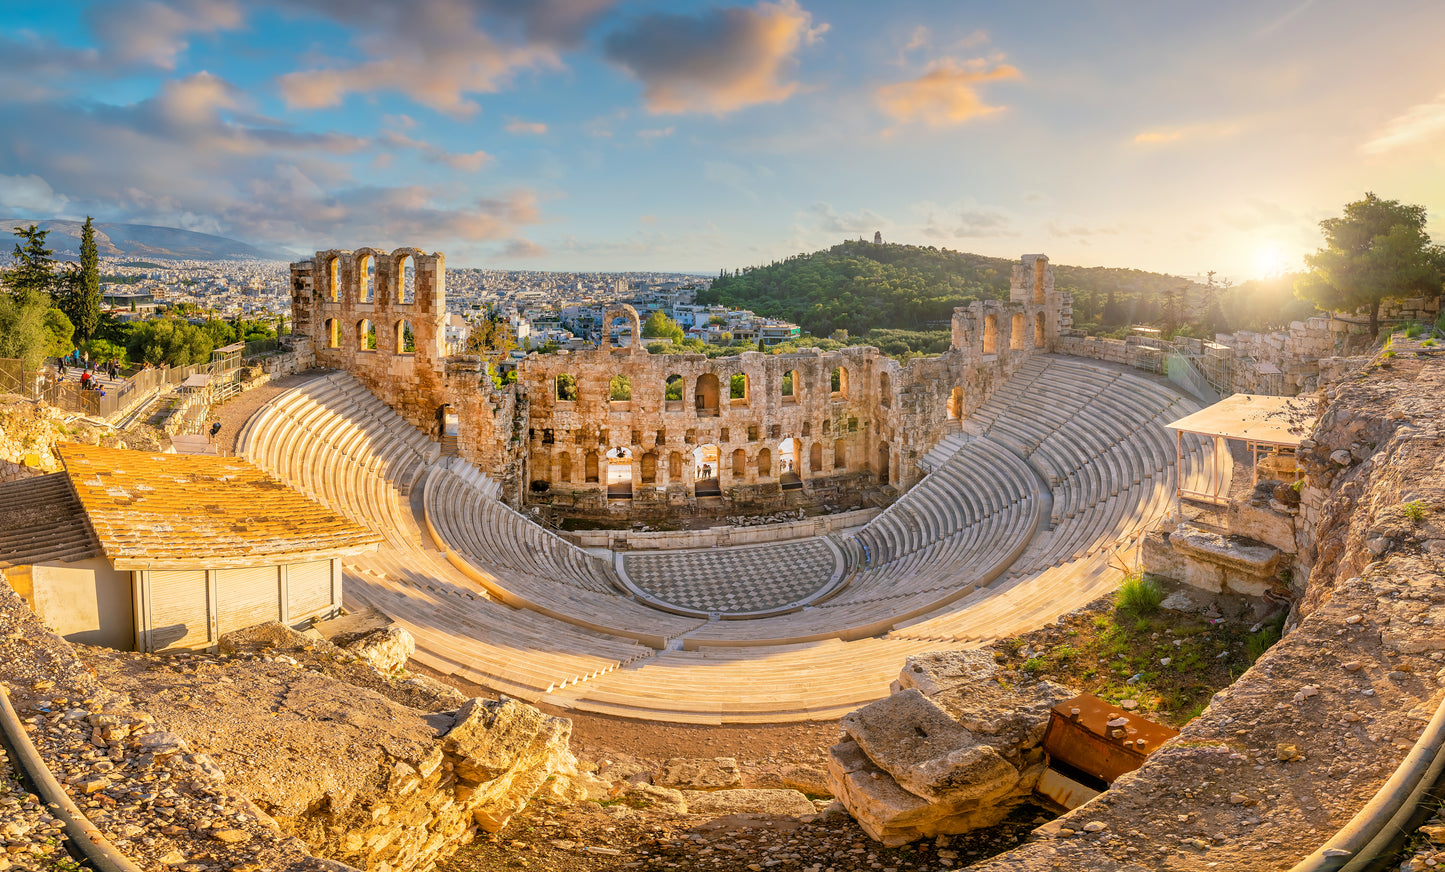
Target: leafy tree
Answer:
pixel 567 387
pixel 1376 250
pixel 177 343
pixel 491 337
pixel 620 389
pixel 659 326
pixel 59 332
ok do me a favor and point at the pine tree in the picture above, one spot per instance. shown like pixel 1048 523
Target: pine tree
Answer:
pixel 86 316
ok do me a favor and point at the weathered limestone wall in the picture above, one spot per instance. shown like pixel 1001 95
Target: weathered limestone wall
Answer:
pixel 868 433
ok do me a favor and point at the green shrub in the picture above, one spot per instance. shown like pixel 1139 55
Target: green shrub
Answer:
pixel 1414 330
pixel 1138 596
pixel 1415 511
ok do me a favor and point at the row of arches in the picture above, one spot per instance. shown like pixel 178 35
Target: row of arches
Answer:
pixel 708 391
pixel 365 333
pixel 1018 335
pixel 403 278
pixel 704 468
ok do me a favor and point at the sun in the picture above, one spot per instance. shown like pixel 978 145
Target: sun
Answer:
pixel 1271 259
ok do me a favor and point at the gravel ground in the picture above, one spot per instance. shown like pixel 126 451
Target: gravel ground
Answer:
pixel 233 413
pixel 29 837
pixel 589 836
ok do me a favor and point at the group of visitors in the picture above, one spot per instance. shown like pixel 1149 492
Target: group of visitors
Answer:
pixel 79 359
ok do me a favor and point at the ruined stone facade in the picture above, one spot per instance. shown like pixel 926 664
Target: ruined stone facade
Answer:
pixel 678 428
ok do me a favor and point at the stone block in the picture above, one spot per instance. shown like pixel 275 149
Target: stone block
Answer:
pixel 747 801
pixel 693 773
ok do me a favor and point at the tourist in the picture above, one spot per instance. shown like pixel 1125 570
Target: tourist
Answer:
pixel 84 380
pixel 61 368
pixel 215 428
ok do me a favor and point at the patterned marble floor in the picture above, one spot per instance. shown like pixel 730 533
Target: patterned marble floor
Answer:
pixel 732 580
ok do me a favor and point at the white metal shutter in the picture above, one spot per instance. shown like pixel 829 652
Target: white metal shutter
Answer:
pixel 247 597
pixel 309 585
pixel 179 612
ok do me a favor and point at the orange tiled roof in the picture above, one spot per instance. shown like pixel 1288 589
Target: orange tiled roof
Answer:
pixel 41 521
pixel 156 511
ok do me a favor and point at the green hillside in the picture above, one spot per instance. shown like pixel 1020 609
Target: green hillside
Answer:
pixel 866 288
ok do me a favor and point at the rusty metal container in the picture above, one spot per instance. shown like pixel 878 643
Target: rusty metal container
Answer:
pixel 1101 740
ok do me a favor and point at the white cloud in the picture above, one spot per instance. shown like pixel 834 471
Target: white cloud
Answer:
pixel 1421 123
pixel 30 195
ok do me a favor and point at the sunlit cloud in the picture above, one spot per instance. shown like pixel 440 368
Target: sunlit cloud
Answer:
pixel 464 162
pixel 947 94
pixel 1186 133
pixel 156 32
pixel 718 62
pixel 1424 122
pixel 30 195
pixel 518 126
pixel 439 52
pixel 823 217
pixel 966 220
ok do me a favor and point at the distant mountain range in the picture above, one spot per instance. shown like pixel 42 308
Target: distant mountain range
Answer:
pixel 143 242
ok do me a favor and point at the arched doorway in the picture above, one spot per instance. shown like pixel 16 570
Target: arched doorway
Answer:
pixel 619 474
pixel 790 464
pixel 1039 340
pixel 883 471
pixel 705 460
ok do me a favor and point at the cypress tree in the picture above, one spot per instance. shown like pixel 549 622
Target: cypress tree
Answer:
pixel 86 298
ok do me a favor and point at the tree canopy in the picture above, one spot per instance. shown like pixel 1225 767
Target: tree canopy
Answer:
pixel 659 326
pixel 1376 250
pixel 29 282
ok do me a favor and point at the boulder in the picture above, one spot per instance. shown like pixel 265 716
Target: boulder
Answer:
pixel 699 773
pixel 503 751
pixel 956 748
pixel 387 648
pixel 644 795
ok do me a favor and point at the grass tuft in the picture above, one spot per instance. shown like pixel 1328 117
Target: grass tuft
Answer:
pixel 1138 596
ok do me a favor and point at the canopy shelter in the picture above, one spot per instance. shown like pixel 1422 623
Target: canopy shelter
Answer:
pixel 1270 427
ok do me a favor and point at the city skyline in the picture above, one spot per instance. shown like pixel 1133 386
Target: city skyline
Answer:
pixel 600 136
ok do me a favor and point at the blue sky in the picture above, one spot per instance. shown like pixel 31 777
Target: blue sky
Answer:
pixel 591 134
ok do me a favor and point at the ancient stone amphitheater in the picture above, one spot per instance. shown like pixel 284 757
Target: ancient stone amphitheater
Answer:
pixel 1019 481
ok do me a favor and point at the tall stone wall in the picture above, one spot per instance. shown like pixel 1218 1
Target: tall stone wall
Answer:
pixel 856 418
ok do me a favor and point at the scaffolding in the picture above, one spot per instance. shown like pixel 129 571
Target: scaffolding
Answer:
pixel 1204 368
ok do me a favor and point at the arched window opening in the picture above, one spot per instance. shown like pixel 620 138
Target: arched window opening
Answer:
pixel 990 334
pixel 564 467
pixel 789 389
pixel 738 389
pixel 765 463
pixel 883 476
pixel 405 339
pixel 620 389
pixel 333 279
pixel 674 466
pixel 406 279
pixel 707 395
pixel 590 468
pixel 366 335
pixel 790 464
pixel 333 333
pixel 885 390
pixel 1016 332
pixel 740 462
pixel 366 278
pixel 815 457
pixel 1039 340
pixel 955 403
pixel 566 388
pixel 541 468
pixel 840 456
pixel 672 393
pixel 706 464
pixel 649 468
pixel 838 383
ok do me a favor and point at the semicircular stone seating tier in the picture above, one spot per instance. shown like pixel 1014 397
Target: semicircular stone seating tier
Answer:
pixel 979 549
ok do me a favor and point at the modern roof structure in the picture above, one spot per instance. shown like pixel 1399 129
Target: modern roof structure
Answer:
pixel 1252 418
pixel 175 511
